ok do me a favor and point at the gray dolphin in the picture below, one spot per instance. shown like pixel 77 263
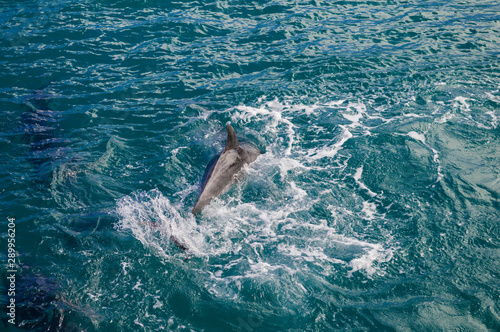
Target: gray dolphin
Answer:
pixel 224 171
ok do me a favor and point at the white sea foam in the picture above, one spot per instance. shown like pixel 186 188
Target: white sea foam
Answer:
pixel 375 253
pixel 417 136
pixel 355 112
pixel 153 220
pixel 330 151
pixel 334 103
pixel 370 209
pixel 462 103
pixel 445 118
pixel 468 114
pixel 460 109
pixel 297 193
pixel 272 115
pixel 362 186
pixel 235 231
pixel 438 162
pixel 309 254
pixel 494 119
pixel 421 138
pixel 287 164
pixel 493 97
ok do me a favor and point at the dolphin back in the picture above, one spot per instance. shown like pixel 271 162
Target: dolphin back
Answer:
pixel 226 170
pixel 210 169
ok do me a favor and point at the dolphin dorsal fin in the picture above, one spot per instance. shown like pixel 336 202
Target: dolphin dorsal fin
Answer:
pixel 232 140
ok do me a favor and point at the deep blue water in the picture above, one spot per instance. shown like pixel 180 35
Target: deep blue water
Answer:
pixel 375 205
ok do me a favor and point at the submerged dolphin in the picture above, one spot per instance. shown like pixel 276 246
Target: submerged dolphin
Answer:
pixel 224 171
pixel 42 133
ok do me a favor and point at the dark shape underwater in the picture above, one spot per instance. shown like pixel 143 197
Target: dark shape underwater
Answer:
pixel 42 133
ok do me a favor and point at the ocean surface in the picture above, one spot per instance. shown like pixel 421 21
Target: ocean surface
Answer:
pixel 375 205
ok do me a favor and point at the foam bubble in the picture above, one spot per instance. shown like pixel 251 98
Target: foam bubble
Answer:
pixel 375 253
pixel 462 103
pixel 370 210
pixel 264 224
pixel 296 192
pixel 438 162
pixel 417 136
pixel 362 186
pixel 354 113
pixel 445 118
pixel 154 221
pixel 421 138
pixel 272 114
pixel 494 119
pixel 330 151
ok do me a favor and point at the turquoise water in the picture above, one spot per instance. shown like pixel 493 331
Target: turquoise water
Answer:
pixel 374 206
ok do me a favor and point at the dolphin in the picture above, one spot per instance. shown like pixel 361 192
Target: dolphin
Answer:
pixel 225 169
pixel 42 133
